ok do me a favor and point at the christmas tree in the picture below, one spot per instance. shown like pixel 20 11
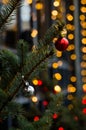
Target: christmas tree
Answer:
pixel 16 73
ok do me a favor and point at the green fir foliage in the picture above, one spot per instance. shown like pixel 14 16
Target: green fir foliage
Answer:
pixel 6 11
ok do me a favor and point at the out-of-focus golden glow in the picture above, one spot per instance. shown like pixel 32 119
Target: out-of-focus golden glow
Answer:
pixel 58 53
pixel 83 72
pixel 83 49
pixel 29 1
pixel 71 47
pixel 39 6
pixel 55 65
pixel 57 89
pixel 70 85
pixel 70 36
pixel 56 3
pixel 71 88
pixel 83 9
pixel 73 57
pixel 5 1
pixel 84 87
pixel 83 40
pixel 83 64
pixel 70 97
pixel 58 76
pixel 72 7
pixel 53 17
pixel 70 27
pixel 82 17
pixel 84 57
pixel 83 2
pixel 69 17
pixel 54 12
pixel 60 63
pixel 83 24
pixel 83 32
pixel 34 33
pixel 55 39
pixel 35 81
pixel 84 79
pixel 73 78
pixel 34 99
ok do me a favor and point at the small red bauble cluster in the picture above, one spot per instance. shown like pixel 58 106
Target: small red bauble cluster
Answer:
pixel 61 44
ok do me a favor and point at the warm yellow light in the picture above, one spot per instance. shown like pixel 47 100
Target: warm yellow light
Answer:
pixel 57 89
pixel 56 3
pixel 84 49
pixel 70 97
pixel 29 1
pixel 70 85
pixel 55 65
pixel 83 72
pixel 69 17
pixel 5 1
pixel 35 81
pixel 84 87
pixel 83 40
pixel 83 2
pixel 83 63
pixel 83 24
pixel 70 36
pixel 73 78
pixel 34 99
pixel 82 17
pixel 58 53
pixel 71 89
pixel 84 57
pixel 73 57
pixel 83 32
pixel 34 33
pixel 71 47
pixel 83 9
pixel 58 76
pixel 55 39
pixel 39 6
pixel 53 17
pixel 84 79
pixel 72 7
pixel 60 63
pixel 54 12
pixel 70 27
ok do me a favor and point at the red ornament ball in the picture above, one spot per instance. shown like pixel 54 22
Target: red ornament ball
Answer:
pixel 61 44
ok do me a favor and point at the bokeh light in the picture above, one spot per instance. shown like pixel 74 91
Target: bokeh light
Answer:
pixel 57 89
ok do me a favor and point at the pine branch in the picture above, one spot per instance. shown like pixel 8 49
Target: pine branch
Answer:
pixel 7 10
pixel 20 83
pixel 41 54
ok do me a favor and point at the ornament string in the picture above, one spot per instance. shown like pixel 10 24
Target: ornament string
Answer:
pixel 28 87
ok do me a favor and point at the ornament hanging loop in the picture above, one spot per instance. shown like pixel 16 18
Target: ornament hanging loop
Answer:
pixel 28 87
pixel 63 33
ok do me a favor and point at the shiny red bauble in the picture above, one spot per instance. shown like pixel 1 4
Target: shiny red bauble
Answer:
pixel 61 44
